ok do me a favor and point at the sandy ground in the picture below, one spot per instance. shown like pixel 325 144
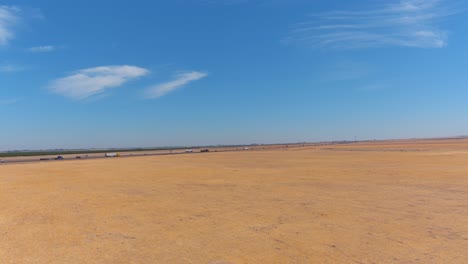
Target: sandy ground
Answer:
pixel 391 202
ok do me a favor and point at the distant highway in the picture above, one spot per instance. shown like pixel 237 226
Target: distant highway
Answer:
pixel 69 157
pixel 92 157
pixel 129 154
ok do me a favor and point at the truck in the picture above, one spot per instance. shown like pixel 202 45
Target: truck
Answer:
pixel 112 155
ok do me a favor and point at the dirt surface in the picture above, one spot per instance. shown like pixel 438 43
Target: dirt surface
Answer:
pixel 379 202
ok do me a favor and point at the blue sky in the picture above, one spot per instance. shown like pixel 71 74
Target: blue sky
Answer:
pixel 80 74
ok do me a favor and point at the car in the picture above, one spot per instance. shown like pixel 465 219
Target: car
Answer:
pixel 59 158
pixel 2 161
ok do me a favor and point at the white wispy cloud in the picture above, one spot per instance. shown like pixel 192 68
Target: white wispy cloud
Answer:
pixel 38 49
pixel 8 19
pixel 87 82
pixel 181 79
pixel 407 23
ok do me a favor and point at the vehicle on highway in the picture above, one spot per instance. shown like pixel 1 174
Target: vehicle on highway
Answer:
pixel 112 155
pixel 205 150
pixel 59 158
pixel 188 151
pixel 2 161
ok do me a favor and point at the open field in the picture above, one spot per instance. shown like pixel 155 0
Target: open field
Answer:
pixel 375 202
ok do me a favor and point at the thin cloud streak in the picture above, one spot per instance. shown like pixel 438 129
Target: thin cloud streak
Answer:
pixel 40 49
pixel 182 79
pixel 409 23
pixel 345 71
pixel 88 82
pixel 10 68
pixel 9 101
pixel 8 19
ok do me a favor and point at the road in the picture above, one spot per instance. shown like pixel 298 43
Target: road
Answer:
pixel 68 157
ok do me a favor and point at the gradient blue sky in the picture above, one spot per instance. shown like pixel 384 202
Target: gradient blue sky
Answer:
pixel 80 74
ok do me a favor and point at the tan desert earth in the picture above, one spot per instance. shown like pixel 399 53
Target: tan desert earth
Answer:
pixel 375 202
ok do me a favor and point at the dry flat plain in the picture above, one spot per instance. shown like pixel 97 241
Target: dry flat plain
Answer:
pixel 380 202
